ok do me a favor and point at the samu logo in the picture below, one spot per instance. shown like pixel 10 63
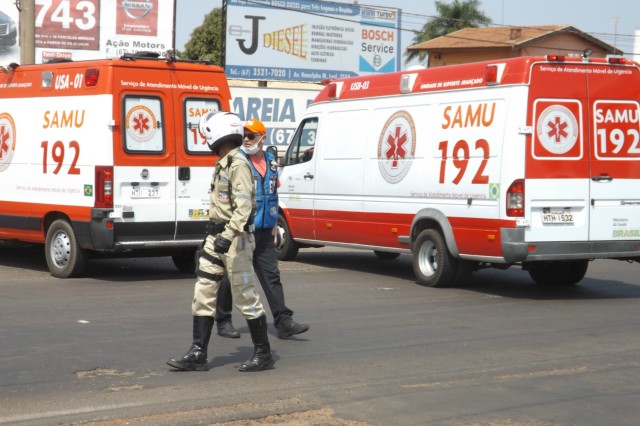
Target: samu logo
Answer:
pixel 7 140
pixel 396 147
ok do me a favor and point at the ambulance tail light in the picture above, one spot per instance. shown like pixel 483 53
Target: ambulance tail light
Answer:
pixel 91 77
pixel 104 187
pixel 515 199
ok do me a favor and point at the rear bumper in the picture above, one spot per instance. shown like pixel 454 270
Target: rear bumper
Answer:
pixel 516 250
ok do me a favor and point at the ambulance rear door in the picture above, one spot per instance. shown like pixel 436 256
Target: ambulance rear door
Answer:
pixel 614 94
pixel 557 168
pixel 195 161
pixel 144 170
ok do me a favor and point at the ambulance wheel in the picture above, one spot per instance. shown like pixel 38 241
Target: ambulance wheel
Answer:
pixel 64 256
pixel 286 248
pixel 433 265
pixel 385 255
pixel 558 273
pixel 185 261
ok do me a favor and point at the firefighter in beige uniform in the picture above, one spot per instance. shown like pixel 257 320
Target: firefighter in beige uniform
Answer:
pixel 228 247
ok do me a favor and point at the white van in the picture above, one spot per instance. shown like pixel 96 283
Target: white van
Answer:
pixel 533 161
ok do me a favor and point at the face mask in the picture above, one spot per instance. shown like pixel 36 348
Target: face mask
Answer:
pixel 250 150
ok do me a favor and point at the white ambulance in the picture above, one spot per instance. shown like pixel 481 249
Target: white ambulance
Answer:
pixel 531 161
pixel 105 157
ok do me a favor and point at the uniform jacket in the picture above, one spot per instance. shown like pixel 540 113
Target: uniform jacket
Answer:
pixel 232 193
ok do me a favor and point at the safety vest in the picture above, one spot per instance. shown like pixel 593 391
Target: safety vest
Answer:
pixel 266 194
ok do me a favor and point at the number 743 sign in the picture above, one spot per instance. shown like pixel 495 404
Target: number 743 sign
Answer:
pixel 68 24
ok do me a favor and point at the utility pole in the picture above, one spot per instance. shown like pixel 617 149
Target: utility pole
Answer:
pixel 27 10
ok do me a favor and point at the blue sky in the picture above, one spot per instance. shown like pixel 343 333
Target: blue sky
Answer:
pixel 612 21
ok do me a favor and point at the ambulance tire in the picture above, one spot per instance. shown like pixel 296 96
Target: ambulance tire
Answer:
pixel 433 265
pixel 286 248
pixel 65 258
pixel 386 255
pixel 578 272
pixel 558 273
pixel 185 261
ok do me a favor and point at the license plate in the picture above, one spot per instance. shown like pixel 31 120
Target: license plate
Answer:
pixel 145 192
pixel 557 217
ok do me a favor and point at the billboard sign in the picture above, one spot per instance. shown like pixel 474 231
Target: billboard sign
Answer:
pixel 96 29
pixel 310 41
pixel 279 109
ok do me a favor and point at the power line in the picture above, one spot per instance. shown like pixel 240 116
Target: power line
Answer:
pixel 427 18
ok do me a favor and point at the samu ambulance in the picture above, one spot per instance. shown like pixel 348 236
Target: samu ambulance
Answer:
pixel 531 161
pixel 105 157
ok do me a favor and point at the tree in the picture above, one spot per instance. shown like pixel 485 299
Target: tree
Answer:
pixel 451 17
pixel 206 40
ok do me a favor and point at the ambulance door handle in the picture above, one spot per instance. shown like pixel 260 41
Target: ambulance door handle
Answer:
pixel 308 176
pixel 155 183
pixel 184 173
pixel 602 178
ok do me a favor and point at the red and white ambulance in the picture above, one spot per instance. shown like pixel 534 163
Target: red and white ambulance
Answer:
pixel 105 157
pixel 531 161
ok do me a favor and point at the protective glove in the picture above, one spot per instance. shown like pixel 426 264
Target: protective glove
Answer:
pixel 221 244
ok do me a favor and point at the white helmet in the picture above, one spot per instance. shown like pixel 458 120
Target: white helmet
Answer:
pixel 219 127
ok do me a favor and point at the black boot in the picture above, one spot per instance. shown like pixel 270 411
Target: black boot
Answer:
pixel 196 357
pixel 261 358
pixel 226 329
pixel 288 327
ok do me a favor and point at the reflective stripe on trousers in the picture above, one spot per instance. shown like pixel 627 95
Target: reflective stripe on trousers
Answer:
pixel 238 264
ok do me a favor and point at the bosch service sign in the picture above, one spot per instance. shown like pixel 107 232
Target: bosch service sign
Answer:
pixel 7 140
pixel 396 147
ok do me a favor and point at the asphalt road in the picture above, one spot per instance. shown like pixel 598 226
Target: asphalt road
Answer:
pixel 381 350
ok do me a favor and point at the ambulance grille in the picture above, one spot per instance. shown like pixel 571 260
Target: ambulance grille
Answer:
pixel 4 29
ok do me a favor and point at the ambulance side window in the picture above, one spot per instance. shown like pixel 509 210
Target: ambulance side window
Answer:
pixel 194 108
pixel 302 146
pixel 143 125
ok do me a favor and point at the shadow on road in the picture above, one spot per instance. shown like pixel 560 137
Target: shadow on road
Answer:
pixel 511 283
pixel 119 269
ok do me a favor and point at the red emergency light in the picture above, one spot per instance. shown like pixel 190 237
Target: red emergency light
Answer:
pixel 91 77
pixel 491 74
pixel 617 60
pixel 555 58
pixel 332 91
